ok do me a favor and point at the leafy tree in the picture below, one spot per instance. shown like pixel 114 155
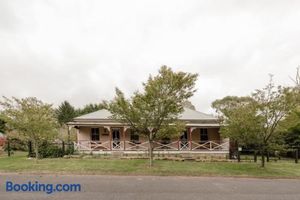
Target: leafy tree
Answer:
pixel 31 117
pixel 238 119
pixel 274 104
pixel 65 113
pixel 292 136
pixel 154 112
pixel 256 119
pixel 291 124
pixel 189 105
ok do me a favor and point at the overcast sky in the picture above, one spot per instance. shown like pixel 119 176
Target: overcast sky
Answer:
pixel 81 50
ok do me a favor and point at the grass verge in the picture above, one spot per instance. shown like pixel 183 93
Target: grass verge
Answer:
pixel 20 163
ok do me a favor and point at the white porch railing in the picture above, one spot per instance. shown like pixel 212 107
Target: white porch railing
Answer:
pixel 117 145
pixel 209 145
pixel 134 145
pixel 88 145
pixel 166 146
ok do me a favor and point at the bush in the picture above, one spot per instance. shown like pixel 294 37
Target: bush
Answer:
pixel 69 149
pixel 53 150
pixel 47 150
pixel 16 145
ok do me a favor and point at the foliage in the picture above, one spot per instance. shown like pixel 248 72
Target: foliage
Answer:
pixel 69 148
pixel 274 104
pixel 65 113
pixel 188 104
pixel 256 119
pixel 156 109
pixel 238 119
pixel 291 124
pixel 290 127
pixel 48 150
pixel 16 144
pixel 292 137
pixel 31 117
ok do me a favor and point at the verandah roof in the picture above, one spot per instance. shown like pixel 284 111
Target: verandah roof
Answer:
pixel 191 117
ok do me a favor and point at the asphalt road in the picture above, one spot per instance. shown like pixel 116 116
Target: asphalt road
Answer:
pixel 158 188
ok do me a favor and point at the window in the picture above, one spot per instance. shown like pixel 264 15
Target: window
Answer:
pixel 134 137
pixel 203 134
pixel 184 136
pixel 95 136
pixel 165 140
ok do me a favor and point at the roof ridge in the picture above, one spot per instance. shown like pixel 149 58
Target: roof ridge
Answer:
pixel 198 111
pixel 87 114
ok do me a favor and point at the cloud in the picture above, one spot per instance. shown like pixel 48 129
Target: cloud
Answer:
pixel 81 50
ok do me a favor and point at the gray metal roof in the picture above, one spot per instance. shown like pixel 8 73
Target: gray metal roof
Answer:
pixel 187 114
pixel 100 114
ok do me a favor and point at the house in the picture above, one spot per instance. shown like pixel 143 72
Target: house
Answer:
pixel 98 133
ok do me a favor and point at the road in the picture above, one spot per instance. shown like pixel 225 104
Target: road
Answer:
pixel 153 187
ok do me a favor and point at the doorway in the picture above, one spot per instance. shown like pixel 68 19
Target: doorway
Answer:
pixel 116 138
pixel 184 140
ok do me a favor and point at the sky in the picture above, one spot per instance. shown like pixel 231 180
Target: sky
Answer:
pixel 80 51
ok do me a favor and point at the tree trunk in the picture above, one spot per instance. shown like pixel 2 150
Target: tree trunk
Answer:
pixel 262 158
pixel 29 148
pixel 150 153
pixel 36 150
pixel 69 149
pixel 63 147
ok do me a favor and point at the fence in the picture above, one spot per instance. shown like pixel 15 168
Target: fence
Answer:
pixel 270 156
pixel 45 149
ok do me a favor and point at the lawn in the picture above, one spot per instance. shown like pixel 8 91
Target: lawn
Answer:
pixel 20 163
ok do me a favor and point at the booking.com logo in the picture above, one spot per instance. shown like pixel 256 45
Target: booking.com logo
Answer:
pixel 41 187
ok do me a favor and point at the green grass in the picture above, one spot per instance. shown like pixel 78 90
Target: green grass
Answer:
pixel 20 163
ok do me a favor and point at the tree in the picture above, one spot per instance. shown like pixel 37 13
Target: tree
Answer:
pixel 65 113
pixel 31 117
pixel 188 104
pixel 238 119
pixel 256 119
pixel 291 124
pixel 274 104
pixel 154 112
pixel 292 136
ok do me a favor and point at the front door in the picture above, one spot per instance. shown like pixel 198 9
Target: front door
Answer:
pixel 116 138
pixel 184 140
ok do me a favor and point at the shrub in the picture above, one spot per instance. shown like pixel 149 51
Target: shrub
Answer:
pixel 47 150
pixel 16 145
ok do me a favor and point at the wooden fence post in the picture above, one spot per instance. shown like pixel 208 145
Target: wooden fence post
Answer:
pixel 255 156
pixel 296 155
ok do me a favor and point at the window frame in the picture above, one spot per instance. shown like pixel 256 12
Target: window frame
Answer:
pixel 95 134
pixel 204 134
pixel 134 137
